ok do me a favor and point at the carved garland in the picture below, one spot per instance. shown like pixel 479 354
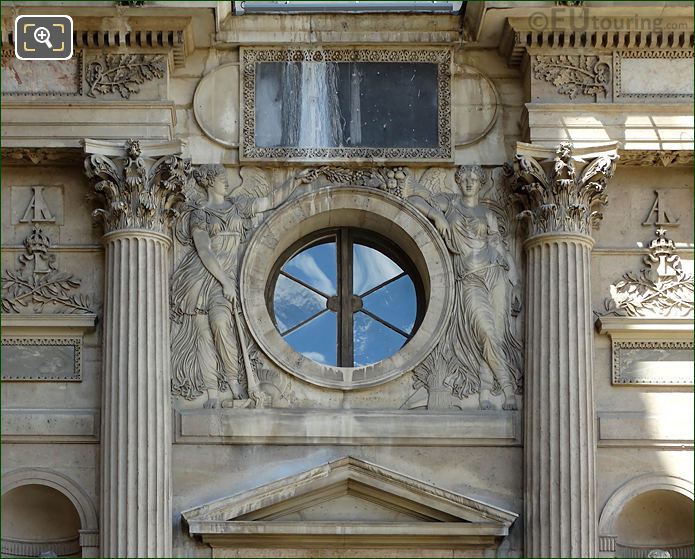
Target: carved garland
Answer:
pixel 251 57
pixel 574 75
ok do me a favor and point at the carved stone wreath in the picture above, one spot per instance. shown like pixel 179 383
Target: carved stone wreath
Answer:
pixel 251 56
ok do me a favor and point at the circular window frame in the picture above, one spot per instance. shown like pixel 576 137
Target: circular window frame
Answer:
pixel 353 236
pixel 369 210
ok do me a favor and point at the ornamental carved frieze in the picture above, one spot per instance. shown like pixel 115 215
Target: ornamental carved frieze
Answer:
pixel 137 191
pixel 123 74
pixel 562 194
pixel 661 289
pixel 37 286
pixel 579 75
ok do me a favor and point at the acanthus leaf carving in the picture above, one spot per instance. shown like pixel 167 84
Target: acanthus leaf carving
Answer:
pixel 561 199
pixel 138 193
pixel 38 285
pixel 574 75
pixel 662 289
pixel 123 73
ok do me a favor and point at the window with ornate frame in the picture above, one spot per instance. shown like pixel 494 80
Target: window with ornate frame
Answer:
pixel 345 297
pixel 346 103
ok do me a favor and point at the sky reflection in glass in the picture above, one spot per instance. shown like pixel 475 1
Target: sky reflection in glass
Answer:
pixel 373 341
pixel 294 303
pixel 316 266
pixel 370 268
pixel 317 339
pixel 379 330
pixel 394 303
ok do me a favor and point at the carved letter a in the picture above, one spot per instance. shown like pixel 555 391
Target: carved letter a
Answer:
pixel 37 210
pixel 657 215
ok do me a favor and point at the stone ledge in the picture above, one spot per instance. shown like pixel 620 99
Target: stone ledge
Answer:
pixel 50 425
pixel 347 427
pixel 638 429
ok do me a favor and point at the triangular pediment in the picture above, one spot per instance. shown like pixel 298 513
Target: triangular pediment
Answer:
pixel 352 501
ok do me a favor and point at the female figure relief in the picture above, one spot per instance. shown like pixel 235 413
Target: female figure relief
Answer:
pixel 481 352
pixel 205 345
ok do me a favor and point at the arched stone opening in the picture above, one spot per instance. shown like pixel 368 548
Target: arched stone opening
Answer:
pixel 45 512
pixel 649 514
pixel 39 521
pixel 659 519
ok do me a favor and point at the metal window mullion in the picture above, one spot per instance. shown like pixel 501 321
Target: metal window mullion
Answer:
pixel 345 318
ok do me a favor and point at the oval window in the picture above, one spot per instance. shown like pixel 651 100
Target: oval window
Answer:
pixel 345 297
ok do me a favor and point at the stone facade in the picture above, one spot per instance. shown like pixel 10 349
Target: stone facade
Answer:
pixel 154 186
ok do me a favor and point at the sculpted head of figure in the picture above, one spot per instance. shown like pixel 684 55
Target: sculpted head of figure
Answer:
pixel 470 179
pixel 211 178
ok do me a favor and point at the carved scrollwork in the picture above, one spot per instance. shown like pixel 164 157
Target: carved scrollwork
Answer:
pixel 561 199
pixel 389 179
pixel 137 192
pixel 574 75
pixel 123 73
pixel 662 289
pixel 38 285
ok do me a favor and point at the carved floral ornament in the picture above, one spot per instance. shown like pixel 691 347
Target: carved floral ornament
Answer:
pixel 574 75
pixel 138 192
pixel 123 74
pixel 662 289
pixel 38 286
pixel 557 196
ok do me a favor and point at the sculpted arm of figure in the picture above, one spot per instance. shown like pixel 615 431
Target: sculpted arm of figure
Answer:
pixel 201 241
pixel 434 214
pixel 276 197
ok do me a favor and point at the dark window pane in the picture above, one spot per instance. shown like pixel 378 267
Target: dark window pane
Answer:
pixel 373 341
pixel 347 104
pixel 294 303
pixel 371 268
pixel 317 339
pixel 396 303
pixel 316 266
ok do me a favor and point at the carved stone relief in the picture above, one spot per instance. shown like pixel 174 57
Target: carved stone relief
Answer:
pixel 579 75
pixel 211 352
pixel 561 199
pixel 37 285
pixel 123 74
pixel 138 192
pixel 479 352
pixel 650 158
pixel 662 289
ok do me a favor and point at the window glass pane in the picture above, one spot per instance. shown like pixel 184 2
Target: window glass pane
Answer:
pixel 395 303
pixel 294 303
pixel 316 266
pixel 317 339
pixel 347 104
pixel 371 268
pixel 373 341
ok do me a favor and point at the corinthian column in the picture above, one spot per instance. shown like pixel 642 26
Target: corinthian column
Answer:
pixel 139 187
pixel 561 192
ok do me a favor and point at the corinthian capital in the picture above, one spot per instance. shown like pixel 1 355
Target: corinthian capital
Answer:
pixel 562 190
pixel 140 186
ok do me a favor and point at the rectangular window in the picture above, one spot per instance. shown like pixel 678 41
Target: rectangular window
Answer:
pixel 344 103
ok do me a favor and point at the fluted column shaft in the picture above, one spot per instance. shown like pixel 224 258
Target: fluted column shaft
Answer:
pixel 560 495
pixel 136 430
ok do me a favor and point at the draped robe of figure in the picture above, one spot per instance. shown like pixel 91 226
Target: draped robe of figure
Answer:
pixel 483 353
pixel 206 342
